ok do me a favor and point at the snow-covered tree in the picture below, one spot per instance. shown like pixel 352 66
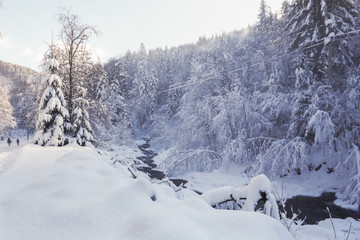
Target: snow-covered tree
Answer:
pixel 346 113
pixel 318 28
pixel 321 126
pixel 301 111
pixel 81 123
pixel 19 82
pixel 7 121
pixel 118 124
pixel 284 156
pixel 28 105
pixel 52 109
pixel 144 90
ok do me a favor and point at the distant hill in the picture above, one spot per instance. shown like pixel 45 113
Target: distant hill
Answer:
pixel 15 73
pixel 18 80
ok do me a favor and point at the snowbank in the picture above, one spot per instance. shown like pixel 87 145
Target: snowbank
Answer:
pixel 344 229
pixel 71 193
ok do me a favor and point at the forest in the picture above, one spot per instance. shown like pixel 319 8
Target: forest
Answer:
pixel 280 97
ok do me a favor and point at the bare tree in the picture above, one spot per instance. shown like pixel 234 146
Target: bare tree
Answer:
pixel 75 57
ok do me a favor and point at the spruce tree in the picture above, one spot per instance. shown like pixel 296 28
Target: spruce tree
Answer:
pixel 318 28
pixel 81 119
pixel 52 109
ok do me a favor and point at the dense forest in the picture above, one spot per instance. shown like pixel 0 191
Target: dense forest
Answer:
pixel 279 97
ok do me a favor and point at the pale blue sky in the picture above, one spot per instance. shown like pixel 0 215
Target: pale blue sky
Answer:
pixel 26 24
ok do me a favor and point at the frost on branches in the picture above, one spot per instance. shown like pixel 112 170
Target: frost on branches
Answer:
pixel 52 110
pixel 81 119
pixel 283 157
pixel 322 127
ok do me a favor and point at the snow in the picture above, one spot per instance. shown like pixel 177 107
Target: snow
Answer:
pixel 259 184
pixel 71 192
pixel 217 195
pixel 324 230
pixel 55 80
pixel 52 63
pixel 312 184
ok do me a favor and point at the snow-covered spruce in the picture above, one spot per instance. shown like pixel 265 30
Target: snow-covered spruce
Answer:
pixel 244 198
pixel 52 109
pixel 81 119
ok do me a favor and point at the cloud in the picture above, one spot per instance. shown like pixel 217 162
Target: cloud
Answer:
pixel 4 42
pixel 28 52
pixel 98 52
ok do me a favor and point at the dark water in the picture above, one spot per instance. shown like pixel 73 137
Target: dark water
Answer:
pixel 150 169
pixel 314 208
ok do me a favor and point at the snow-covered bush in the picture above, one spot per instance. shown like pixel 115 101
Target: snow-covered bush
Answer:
pixel 52 109
pixel 282 157
pixel 244 198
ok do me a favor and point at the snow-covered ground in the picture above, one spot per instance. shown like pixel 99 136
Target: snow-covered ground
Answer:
pixel 309 185
pixel 313 184
pixel 72 192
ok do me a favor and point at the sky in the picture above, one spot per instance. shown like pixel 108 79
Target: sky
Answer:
pixel 26 25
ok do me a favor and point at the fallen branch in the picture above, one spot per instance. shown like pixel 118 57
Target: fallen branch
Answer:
pixel 232 199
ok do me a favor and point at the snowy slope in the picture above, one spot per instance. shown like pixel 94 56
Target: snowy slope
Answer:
pixel 71 193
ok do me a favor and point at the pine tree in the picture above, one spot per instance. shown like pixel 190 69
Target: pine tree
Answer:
pixel 318 30
pixel 82 126
pixel 52 109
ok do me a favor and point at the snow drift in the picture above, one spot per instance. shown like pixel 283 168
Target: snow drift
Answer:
pixel 71 193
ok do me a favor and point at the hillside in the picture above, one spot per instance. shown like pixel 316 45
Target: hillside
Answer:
pixel 20 82
pixel 15 73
